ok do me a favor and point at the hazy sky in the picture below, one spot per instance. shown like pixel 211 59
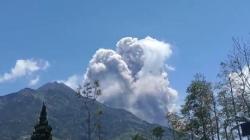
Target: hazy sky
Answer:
pixel 61 36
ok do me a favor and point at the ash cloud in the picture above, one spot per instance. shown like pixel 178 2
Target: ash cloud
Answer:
pixel 134 77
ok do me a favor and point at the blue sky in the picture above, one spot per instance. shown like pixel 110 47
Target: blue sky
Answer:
pixel 67 34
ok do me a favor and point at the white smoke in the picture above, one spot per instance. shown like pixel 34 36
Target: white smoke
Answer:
pixel 241 80
pixel 73 81
pixel 134 77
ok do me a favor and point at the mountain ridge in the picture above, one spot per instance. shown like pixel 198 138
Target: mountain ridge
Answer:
pixel 20 110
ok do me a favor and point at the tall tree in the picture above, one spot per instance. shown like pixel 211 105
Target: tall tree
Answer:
pixel 238 66
pixel 42 131
pixel 88 94
pixel 98 124
pixel 198 107
pixel 229 86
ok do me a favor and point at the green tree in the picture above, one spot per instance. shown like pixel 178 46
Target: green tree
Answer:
pixel 42 131
pixel 198 108
pixel 158 132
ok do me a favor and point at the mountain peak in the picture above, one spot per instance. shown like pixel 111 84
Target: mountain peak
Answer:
pixel 55 86
pixel 25 90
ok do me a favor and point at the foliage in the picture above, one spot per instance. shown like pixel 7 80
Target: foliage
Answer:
pixel 138 137
pixel 198 108
pixel 158 132
pixel 234 89
pixel 176 122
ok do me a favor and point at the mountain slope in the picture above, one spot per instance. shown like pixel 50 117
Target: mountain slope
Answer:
pixel 66 115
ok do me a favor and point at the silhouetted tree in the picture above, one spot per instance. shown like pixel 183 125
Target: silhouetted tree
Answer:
pixel 98 124
pixel 138 137
pixel 42 131
pixel 89 93
pixel 158 132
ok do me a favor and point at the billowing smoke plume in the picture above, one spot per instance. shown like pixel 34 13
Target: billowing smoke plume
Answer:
pixel 134 77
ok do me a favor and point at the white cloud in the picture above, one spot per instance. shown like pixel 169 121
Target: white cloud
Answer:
pixel 134 77
pixel 34 81
pixel 72 82
pixel 23 68
pixel 240 79
pixel 170 68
